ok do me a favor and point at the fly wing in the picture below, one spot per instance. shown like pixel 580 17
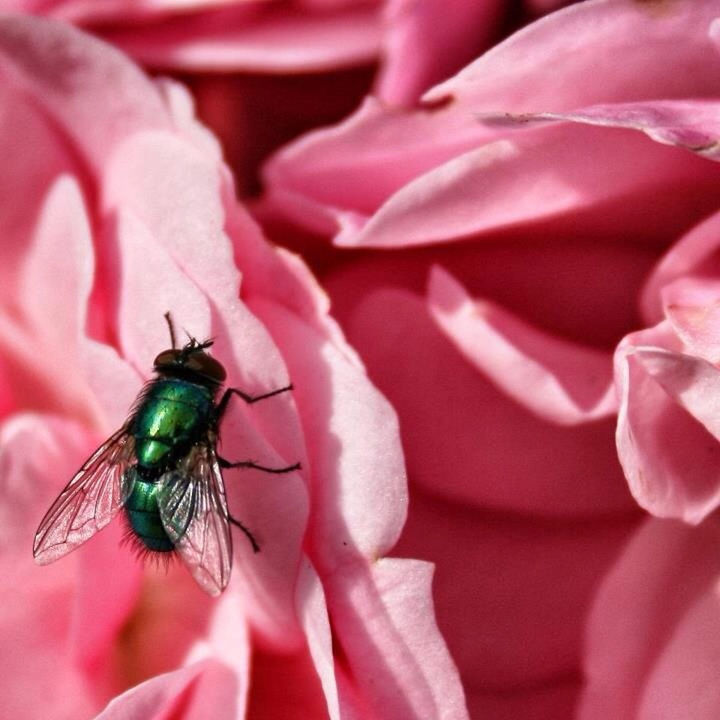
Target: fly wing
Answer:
pixel 89 501
pixel 194 514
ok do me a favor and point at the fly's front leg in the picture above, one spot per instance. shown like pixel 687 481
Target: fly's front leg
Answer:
pixel 249 399
pixel 251 464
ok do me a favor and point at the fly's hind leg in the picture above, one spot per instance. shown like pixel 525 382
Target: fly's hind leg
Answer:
pixel 250 464
pixel 248 534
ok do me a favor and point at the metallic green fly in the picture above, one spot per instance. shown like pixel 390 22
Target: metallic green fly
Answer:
pixel 162 468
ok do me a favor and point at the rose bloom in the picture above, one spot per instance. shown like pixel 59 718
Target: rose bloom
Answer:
pixel 486 253
pixel 117 208
pixel 264 71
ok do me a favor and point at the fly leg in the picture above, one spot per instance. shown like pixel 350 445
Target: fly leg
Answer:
pixel 251 464
pixel 249 399
pixel 249 535
pixel 221 408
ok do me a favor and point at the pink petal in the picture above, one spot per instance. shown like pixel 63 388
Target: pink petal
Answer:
pixel 51 330
pixel 107 589
pixel 668 427
pixel 424 43
pixel 282 276
pixel 301 696
pixel 639 43
pixel 540 175
pixel 397 147
pixel 226 639
pixel 180 103
pixel 684 677
pixel 184 692
pixel 692 125
pixel 354 449
pixel 145 296
pixel 474 460
pixel 386 625
pixel 538 280
pixel 25 176
pixel 652 635
pixel 62 219
pixel 38 454
pixel 558 380
pixel 313 613
pixel 554 699
pixel 95 96
pixel 274 39
pixel 694 254
pixel 89 10
pixel 512 592
pixel 692 307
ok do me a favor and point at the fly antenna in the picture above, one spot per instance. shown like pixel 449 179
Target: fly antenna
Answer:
pixel 171 328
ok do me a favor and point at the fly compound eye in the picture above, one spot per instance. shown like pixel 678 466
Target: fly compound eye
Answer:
pixel 166 358
pixel 206 365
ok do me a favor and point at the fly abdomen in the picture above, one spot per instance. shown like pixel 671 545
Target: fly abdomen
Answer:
pixel 143 514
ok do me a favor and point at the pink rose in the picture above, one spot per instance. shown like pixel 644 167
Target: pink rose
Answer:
pixel 264 71
pixel 490 249
pixel 117 208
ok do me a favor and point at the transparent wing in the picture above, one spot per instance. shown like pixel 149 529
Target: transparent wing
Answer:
pixel 194 514
pixel 89 501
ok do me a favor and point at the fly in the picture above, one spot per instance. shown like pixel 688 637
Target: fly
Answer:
pixel 163 470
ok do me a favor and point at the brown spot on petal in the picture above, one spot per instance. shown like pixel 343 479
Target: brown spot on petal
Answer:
pixel 710 148
pixel 656 8
pixel 439 103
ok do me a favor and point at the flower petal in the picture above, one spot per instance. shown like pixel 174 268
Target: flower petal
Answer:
pixel 316 623
pixel 668 427
pixel 692 125
pixel 692 307
pixel 512 592
pixel 38 455
pixel 694 254
pixel 187 691
pixel 461 433
pixel 558 380
pixel 425 44
pixel 441 144
pixel 358 478
pixel 540 174
pixel 396 655
pixel 650 638
pixel 50 330
pixel 93 93
pixel 276 40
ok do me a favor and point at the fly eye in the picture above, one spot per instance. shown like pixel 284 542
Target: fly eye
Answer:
pixel 166 357
pixel 206 365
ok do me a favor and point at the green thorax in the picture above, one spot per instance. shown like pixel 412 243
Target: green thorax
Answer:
pixel 143 514
pixel 173 415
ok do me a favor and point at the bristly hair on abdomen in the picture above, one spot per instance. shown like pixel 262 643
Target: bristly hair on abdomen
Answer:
pixel 143 553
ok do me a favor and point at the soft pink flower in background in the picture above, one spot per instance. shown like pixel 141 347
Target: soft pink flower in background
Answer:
pixel 263 71
pixel 492 248
pixel 117 207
